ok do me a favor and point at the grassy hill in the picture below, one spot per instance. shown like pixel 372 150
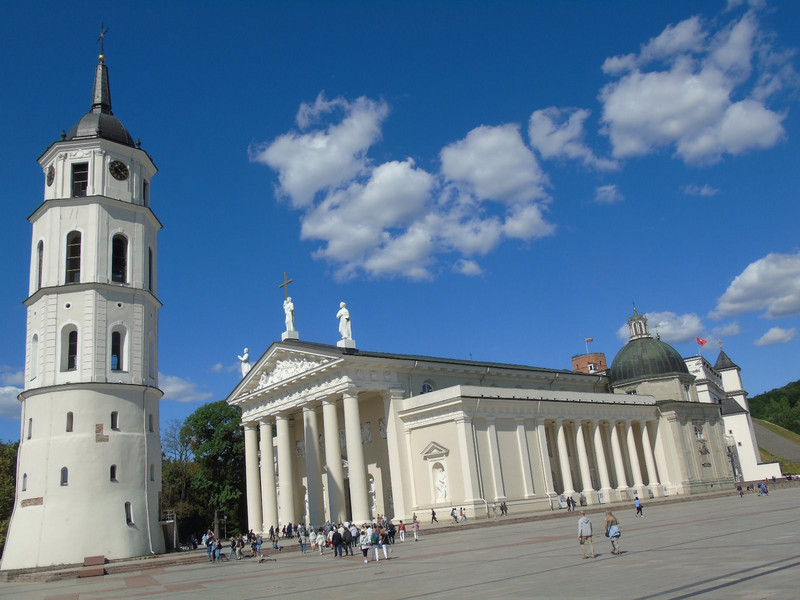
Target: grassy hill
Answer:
pixel 780 406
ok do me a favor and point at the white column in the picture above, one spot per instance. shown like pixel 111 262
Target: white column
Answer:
pixel 619 464
pixel 602 467
pixel 494 455
pixel 469 464
pixel 547 468
pixel 525 455
pixel 650 463
pixel 253 483
pixel 583 461
pixel 563 457
pixel 393 426
pixel 313 472
pixel 359 500
pixel 661 459
pixel 636 470
pixel 285 470
pixel 269 499
pixel 333 461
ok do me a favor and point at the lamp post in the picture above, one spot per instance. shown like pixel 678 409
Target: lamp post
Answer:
pixel 225 519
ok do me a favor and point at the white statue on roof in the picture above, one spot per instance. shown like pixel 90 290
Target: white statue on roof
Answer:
pixel 245 360
pixel 345 326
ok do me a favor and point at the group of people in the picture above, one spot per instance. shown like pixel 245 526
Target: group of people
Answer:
pixel 458 517
pixel 612 532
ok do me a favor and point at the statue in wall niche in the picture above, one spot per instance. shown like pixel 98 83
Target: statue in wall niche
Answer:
pixel 441 486
pixel 288 309
pixel 345 327
pixel 382 428
pixel 245 360
pixel 373 501
pixel 342 439
pixel 299 449
pixel 366 433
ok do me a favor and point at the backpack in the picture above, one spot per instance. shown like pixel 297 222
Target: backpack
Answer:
pixel 374 538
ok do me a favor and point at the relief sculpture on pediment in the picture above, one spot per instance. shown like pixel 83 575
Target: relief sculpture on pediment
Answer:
pixel 285 369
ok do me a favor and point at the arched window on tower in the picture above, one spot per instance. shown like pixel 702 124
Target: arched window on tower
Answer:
pixel 24 482
pixel 39 264
pixel 34 370
pixel 119 259
pixel 128 513
pixel 150 269
pixel 112 473
pixel 64 476
pixel 73 272
pixel 115 420
pixel 70 420
pixel 69 348
pixel 117 349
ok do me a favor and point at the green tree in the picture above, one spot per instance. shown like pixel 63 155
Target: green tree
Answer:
pixel 216 440
pixel 8 483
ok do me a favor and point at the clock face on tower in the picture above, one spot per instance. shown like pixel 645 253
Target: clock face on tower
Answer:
pixel 118 170
pixel 51 175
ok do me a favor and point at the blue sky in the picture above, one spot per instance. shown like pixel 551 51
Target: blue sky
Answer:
pixel 486 180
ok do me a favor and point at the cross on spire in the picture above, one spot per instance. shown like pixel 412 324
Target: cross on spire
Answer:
pixel 285 286
pixel 103 32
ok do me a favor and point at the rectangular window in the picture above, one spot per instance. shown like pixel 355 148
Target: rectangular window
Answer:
pixel 146 193
pixel 128 513
pixel 80 179
pixel 115 420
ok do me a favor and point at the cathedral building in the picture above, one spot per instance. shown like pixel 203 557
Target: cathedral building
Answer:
pixel 361 433
pixel 89 462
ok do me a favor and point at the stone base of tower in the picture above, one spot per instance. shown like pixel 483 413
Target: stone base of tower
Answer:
pixel 89 489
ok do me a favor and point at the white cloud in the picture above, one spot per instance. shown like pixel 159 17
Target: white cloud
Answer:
pixel 467 267
pixel 11 376
pixel 9 405
pixel 771 283
pixel 699 190
pixel 217 368
pixel 776 335
pixel 671 327
pixel 557 132
pixel 730 329
pixel 178 389
pixel 308 163
pixel 495 164
pixel 607 194
pixel 686 101
pixel 394 218
pixel 686 36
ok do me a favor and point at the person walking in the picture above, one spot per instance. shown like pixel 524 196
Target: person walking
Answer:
pixel 321 541
pixel 415 530
pixel 401 529
pixel 613 533
pixel 433 517
pixel 637 503
pixel 365 543
pixel 585 535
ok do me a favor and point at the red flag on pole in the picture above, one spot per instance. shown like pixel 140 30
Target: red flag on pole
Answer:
pixel 701 342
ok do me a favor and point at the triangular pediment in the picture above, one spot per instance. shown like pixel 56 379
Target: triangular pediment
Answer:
pixel 281 365
pixel 434 451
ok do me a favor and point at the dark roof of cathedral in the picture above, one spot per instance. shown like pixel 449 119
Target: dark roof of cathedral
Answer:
pixel 100 122
pixel 724 362
pixel 731 407
pixel 645 357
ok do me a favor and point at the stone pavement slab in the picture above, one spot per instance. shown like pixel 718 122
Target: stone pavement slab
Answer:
pixel 725 547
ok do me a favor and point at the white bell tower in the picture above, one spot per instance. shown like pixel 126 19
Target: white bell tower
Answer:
pixel 89 463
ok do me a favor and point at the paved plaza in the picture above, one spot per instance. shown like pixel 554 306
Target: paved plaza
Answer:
pixel 724 547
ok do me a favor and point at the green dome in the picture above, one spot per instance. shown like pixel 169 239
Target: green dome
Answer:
pixel 645 357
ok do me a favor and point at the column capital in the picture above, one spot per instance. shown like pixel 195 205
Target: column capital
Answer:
pixel 250 424
pixel 266 420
